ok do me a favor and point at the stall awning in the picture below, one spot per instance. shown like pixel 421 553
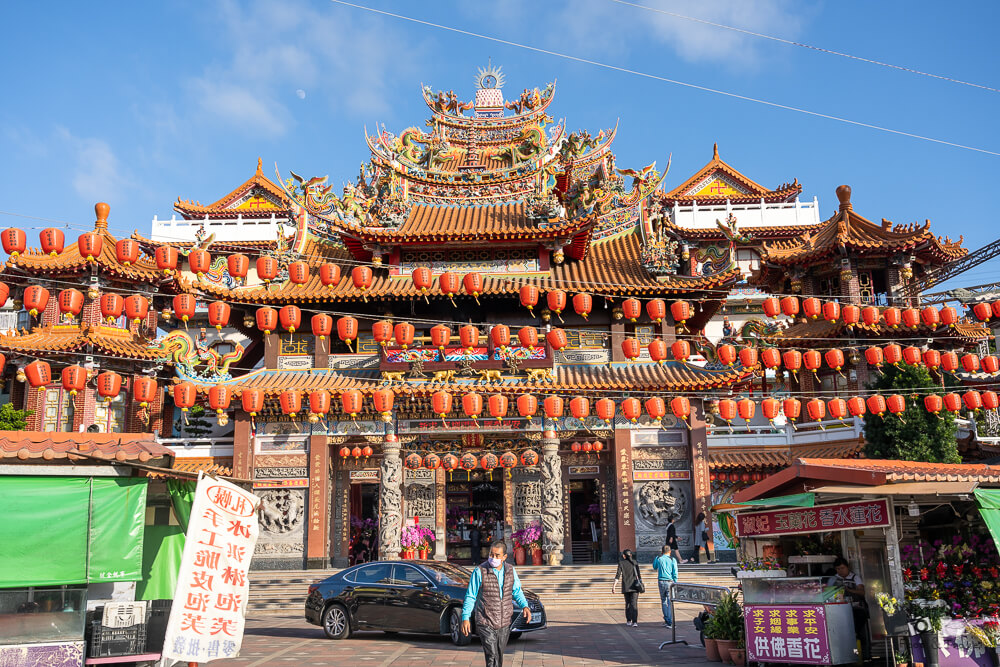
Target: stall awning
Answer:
pixel 901 489
pixel 989 506
pixel 71 530
pixel 793 500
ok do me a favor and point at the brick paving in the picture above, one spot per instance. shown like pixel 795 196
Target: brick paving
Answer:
pixel 578 638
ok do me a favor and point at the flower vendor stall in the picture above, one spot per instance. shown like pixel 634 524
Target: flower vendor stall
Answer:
pixel 919 536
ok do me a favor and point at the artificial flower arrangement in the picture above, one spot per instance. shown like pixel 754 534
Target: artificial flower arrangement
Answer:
pixel 956 580
pixel 417 538
pixel 757 563
pixel 529 537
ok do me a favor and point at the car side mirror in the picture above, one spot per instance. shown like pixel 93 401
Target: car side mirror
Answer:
pixel 423 584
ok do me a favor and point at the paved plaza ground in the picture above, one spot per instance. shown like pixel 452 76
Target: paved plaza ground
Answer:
pixel 581 638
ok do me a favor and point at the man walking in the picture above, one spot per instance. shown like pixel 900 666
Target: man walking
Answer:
pixel 666 575
pixel 494 587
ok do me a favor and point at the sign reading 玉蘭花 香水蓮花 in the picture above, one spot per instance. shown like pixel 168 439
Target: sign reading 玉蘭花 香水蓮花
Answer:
pixel 842 516
pixel 207 617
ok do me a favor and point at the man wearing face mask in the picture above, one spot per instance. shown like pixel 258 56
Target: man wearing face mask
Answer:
pixel 494 587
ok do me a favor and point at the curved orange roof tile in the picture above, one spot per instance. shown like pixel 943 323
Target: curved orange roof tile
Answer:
pixel 69 338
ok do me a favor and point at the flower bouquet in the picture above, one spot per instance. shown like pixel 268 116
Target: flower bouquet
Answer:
pixel 752 567
pixel 528 539
pixel 410 540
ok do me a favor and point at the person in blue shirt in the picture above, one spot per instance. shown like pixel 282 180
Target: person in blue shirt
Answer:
pixel 493 589
pixel 666 575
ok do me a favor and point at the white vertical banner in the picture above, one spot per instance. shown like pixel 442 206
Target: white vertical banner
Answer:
pixel 210 603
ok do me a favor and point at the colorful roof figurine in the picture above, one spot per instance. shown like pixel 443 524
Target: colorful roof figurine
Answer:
pixel 258 196
pixel 718 182
pixel 848 232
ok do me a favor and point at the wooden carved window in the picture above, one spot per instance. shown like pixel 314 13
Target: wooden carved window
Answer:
pixel 58 412
pixel 110 417
pixel 866 287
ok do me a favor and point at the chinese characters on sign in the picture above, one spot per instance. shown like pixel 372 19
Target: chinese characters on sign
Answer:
pixel 845 516
pixel 787 633
pixel 207 617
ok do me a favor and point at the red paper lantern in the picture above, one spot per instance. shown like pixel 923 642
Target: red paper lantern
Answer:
pixel 726 354
pixel 952 402
pixel 876 405
pixel 681 350
pixel 991 364
pixel 356 452
pixel 184 395
pixel 347 330
pixel 746 409
pixel 404 333
pixel 656 309
pixel 291 402
pixel 184 306
pixel 489 461
pixel 449 283
pixel 351 402
pixel 4 294
pixel 298 273
pixel 71 302
pixel 252 401
pixel 219 398
pixel 557 339
pixel 498 406
pixel 995 307
pixel 816 409
pixel 893 354
pixel 912 355
pixel 793 360
pixel 126 251
pixel 500 336
pixel 35 298
pixel 200 262
pixel 932 359
pixel 441 402
pixel 911 318
pixel 851 315
pixel 990 400
pixel 440 336
pixel 423 279
pixel 529 297
pixel 528 337
pixel 870 315
pixel 790 306
pixel 361 276
pixel 469 461
pixel 14 241
pixel 38 373
pixel 267 319
pixel 772 307
pixel 874 356
pixel 792 407
pixel 598 446
pixel 770 357
pixel 432 461
pixel 982 312
pixel 111 306
pixel 329 274
pixel 556 300
pixel 579 407
pixel 583 303
pixel 319 402
pixel 527 405
pixel 632 308
pixel 727 410
pixel 74 379
pixel 812 308
pixel 508 459
pixel 949 362
pixel 413 461
pixel 933 403
pixel 837 407
pixel 218 314
pixel 930 317
pixel 576 447
pixel 631 348
pixel 949 316
pixel 605 409
pixel 238 265
pixel 587 447
pixel 136 308
pixel 472 405
pixel 632 409
pixel 367 451
pixel 53 240
pixel 553 406
pixel 896 404
pixel 770 407
pixel 892 317
pixel 972 400
pixel 680 406
pixel 835 359
pixel 322 325
pixel 748 357
pixel 856 406
pixel 658 350
pixel 449 462
pixel 529 457
pixel 90 244
pixel 383 399
pixel 681 312
pixel 468 336
pixel 970 363
pixel 831 311
pixel 473 283
pixel 166 259
pixel 144 391
pixel 382 332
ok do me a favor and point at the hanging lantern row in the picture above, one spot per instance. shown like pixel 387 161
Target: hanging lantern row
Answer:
pixel 949 362
pixel 852 315
pixel 135 307
pixel 357 452
pixel 736 476
pixel 816 408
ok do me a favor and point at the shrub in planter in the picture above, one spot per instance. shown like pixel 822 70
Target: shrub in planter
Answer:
pixel 728 617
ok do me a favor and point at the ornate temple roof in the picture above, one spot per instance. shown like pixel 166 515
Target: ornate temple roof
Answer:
pixel 122 447
pixel 70 261
pixel 849 232
pixel 718 182
pixel 255 197
pixel 60 339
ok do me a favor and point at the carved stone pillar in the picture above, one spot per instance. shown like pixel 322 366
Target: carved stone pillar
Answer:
pixel 390 500
pixel 553 533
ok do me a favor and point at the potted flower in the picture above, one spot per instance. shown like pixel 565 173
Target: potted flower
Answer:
pixel 426 537
pixel 520 555
pixel 410 540
pixel 895 617
pixel 533 542
pixel 927 619
pixel 739 654
pixel 711 643
pixel 766 567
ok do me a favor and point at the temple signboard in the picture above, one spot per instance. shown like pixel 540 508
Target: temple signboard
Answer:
pixel 840 516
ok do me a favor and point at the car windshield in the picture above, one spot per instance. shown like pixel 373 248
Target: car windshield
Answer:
pixel 446 574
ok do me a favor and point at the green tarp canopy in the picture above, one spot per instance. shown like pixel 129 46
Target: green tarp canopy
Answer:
pixel 164 546
pixel 989 506
pixel 794 500
pixel 71 530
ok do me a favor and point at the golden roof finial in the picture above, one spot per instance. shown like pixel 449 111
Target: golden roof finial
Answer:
pixel 715 151
pixel 260 166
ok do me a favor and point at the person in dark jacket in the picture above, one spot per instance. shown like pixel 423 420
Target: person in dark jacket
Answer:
pixel 628 575
pixel 494 589
pixel 675 547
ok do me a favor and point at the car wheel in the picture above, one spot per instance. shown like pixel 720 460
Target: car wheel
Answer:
pixel 514 636
pixel 335 622
pixel 455 626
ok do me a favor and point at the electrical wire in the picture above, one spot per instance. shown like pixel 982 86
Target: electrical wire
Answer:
pixel 647 75
pixel 805 46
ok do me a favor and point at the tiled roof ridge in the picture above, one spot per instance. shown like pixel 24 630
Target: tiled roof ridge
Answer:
pixel 897 467
pixel 712 232
pixel 258 179
pixel 718 164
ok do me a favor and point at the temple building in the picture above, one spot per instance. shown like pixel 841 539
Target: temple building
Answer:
pixel 492 327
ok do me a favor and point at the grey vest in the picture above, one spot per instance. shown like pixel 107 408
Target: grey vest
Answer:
pixel 491 609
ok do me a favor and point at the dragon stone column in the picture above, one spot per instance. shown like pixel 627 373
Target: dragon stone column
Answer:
pixel 553 535
pixel 390 500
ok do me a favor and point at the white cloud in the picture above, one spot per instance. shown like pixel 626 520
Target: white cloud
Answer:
pixel 96 174
pixel 241 106
pixel 301 94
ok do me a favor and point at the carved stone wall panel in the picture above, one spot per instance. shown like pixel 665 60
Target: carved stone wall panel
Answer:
pixel 527 500
pixel 420 502
pixel 281 473
pixel 282 523
pixel 655 501
pixel 283 461
pixel 668 453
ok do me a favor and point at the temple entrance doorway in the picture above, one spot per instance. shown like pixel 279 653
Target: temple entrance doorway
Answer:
pixel 474 514
pixel 363 544
pixel 585 521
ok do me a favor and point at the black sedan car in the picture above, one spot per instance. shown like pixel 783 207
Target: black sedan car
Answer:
pixel 402 596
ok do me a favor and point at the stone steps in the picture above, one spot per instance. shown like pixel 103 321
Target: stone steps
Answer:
pixel 580 586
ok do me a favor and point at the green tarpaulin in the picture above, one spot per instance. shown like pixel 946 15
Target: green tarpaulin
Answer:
pixel 164 546
pixel 989 506
pixel 71 530
pixel 794 500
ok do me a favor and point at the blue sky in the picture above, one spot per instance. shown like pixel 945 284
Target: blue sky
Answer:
pixel 139 103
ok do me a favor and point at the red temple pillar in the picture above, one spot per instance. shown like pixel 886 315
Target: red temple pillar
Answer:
pixel 317 551
pixel 700 481
pixel 623 485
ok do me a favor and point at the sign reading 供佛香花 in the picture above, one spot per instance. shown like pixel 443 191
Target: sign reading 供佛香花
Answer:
pixel 787 633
